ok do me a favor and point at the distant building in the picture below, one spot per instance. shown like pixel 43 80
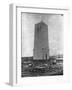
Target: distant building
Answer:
pixel 41 46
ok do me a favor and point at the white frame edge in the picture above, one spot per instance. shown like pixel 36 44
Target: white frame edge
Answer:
pixel 12 44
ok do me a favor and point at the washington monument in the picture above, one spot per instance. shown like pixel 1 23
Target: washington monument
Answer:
pixel 41 46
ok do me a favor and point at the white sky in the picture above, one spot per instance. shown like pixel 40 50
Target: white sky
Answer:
pixel 55 32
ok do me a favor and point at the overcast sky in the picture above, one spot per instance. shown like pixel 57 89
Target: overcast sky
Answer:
pixel 55 32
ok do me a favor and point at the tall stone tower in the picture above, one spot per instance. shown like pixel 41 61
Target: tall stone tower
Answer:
pixel 41 47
